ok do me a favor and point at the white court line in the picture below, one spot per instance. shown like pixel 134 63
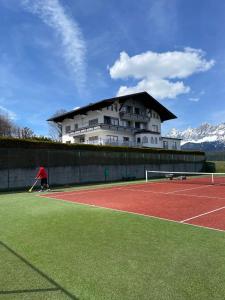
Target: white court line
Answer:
pixel 168 193
pixel 133 213
pixel 171 192
pixel 80 191
pixel 189 189
pixel 206 213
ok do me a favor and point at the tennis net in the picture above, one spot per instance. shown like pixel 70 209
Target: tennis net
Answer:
pixel 186 177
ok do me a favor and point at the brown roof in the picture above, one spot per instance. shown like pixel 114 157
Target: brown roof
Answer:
pixel 144 97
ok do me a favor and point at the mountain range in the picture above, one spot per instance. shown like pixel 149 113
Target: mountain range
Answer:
pixel 206 137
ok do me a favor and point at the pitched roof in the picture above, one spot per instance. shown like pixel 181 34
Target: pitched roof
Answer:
pixel 144 97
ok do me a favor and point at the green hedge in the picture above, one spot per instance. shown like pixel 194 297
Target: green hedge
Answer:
pixel 29 143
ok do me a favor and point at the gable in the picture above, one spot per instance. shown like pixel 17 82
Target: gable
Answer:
pixel 147 100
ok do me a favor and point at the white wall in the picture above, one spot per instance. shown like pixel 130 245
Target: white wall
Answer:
pixel 83 121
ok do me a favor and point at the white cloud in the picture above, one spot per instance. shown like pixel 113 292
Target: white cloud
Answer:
pixel 159 88
pixel 156 70
pixel 53 14
pixel 4 111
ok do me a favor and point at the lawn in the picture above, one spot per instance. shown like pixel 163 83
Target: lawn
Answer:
pixel 53 249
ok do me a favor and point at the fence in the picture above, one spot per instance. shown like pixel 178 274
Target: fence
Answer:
pixel 18 165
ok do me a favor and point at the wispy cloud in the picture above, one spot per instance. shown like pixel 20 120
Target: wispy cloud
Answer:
pixel 6 112
pixel 52 13
pixel 162 15
pixel 157 72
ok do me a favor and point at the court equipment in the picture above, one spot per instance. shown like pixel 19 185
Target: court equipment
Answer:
pixel 30 190
pixel 185 177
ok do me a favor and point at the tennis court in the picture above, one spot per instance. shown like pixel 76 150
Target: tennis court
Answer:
pixel 196 203
pixel 100 242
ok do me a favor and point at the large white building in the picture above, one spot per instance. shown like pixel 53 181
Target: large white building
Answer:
pixel 132 120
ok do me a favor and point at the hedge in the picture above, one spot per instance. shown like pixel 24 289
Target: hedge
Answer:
pixel 29 143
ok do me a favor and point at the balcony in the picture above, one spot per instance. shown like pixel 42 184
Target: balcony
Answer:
pixel 134 117
pixel 101 141
pixel 101 126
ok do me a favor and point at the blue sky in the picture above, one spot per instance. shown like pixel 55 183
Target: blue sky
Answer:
pixel 62 54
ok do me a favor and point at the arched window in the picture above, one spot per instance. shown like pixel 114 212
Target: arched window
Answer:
pixel 144 139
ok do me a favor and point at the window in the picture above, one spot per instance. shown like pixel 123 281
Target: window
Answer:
pixel 129 109
pixel 129 124
pixel 156 140
pixel 110 107
pixel 93 139
pixel 93 122
pixel 107 120
pixel 152 140
pixel 115 106
pixel 138 140
pixel 67 129
pixel 165 144
pixel 112 138
pixel 76 126
pixel 111 121
pixel 137 125
pixel 137 110
pixel 126 139
pixel 114 121
pixel 155 128
pixel 144 139
pixel 68 142
pixel 123 123
pixel 174 145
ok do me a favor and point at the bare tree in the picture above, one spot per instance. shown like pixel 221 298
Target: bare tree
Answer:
pixel 55 129
pixel 6 125
pixel 9 129
pixel 26 133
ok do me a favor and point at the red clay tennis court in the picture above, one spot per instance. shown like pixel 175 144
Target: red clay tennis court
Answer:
pixel 197 204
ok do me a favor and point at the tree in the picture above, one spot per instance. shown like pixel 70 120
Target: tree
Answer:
pixel 55 129
pixel 6 125
pixel 9 129
pixel 26 133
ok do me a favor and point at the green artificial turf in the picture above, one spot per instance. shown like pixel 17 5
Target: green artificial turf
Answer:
pixel 94 253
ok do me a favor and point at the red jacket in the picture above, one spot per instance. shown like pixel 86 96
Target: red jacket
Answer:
pixel 42 173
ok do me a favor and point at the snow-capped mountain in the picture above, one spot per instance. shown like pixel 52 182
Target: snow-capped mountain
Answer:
pixel 205 137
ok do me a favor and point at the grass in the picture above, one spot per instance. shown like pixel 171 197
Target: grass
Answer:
pixel 53 249
pixel 215 166
pixel 219 166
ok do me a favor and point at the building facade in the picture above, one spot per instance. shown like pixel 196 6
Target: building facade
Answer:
pixel 132 120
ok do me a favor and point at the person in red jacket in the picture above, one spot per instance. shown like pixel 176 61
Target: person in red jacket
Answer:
pixel 42 174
